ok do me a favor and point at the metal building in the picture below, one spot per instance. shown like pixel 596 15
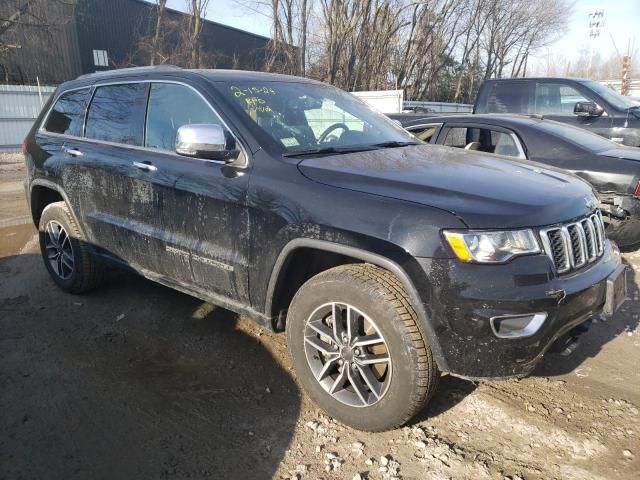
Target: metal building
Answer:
pixel 105 34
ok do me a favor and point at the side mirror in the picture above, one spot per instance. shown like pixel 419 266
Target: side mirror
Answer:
pixel 208 141
pixel 588 109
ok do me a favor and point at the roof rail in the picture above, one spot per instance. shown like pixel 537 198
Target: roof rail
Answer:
pixel 130 70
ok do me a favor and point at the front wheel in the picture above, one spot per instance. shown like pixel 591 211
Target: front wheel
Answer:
pixel 358 349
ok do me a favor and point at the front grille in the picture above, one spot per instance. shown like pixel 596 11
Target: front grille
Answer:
pixel 574 245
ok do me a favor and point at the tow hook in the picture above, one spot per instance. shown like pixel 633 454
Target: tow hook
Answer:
pixel 568 343
pixel 559 295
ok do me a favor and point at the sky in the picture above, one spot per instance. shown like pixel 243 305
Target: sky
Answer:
pixel 235 14
pixel 621 22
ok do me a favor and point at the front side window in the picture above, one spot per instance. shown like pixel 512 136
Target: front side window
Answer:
pixel 556 99
pixel 116 113
pixel 302 116
pixel 67 114
pixel 170 107
pixel 425 132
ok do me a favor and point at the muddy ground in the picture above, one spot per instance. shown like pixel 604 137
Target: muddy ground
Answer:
pixel 137 381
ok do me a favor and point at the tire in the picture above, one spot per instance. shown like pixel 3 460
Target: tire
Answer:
pixel 379 307
pixel 67 258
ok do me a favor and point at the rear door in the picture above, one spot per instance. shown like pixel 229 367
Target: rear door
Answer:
pixel 555 100
pixel 113 204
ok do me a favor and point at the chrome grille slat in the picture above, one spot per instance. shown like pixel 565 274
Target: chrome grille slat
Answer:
pixel 574 245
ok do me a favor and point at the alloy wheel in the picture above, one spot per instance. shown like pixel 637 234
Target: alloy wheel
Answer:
pixel 59 250
pixel 347 354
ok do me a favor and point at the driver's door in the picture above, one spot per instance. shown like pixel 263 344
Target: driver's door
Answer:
pixel 556 101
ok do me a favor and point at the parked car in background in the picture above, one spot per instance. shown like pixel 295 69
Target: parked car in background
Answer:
pixel 387 261
pixel 582 103
pixel 614 170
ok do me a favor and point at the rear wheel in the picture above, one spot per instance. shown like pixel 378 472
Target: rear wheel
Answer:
pixel 66 256
pixel 357 347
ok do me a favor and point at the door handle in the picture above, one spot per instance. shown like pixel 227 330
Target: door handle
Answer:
pixel 147 167
pixel 72 151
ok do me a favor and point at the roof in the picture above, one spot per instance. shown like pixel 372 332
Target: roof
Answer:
pixel 212 75
pixel 522 79
pixel 489 118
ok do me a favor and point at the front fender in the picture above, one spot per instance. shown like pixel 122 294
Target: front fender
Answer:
pixel 392 265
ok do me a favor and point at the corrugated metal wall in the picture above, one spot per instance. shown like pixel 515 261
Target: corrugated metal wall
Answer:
pixel 19 107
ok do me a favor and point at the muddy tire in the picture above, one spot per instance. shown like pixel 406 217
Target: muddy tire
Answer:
pixel 66 256
pixel 358 349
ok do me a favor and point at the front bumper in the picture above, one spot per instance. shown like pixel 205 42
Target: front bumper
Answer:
pixel 463 298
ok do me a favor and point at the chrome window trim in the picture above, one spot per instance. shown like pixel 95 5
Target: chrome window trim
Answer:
pixel 409 128
pixel 92 88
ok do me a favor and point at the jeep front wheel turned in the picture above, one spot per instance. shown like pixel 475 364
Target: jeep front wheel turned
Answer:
pixel 358 349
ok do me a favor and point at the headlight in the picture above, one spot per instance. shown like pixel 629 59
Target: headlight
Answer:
pixel 491 247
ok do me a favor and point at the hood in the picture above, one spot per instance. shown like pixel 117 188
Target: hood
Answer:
pixel 485 191
pixel 628 153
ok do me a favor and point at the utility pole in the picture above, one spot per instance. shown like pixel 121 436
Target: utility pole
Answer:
pixel 596 22
pixel 624 85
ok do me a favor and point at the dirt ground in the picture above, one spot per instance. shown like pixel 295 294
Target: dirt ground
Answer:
pixel 140 381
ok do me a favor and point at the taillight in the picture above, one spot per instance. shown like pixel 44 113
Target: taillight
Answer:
pixel 24 147
pixel 636 192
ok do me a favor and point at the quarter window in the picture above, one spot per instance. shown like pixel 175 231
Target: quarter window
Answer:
pixel 116 113
pixel 170 107
pixel 68 113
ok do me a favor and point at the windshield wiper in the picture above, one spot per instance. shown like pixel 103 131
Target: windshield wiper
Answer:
pixel 328 151
pixel 394 144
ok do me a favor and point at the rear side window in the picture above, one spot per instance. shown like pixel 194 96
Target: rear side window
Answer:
pixel 67 114
pixel 484 140
pixel 116 113
pixel 508 97
pixel 170 107
pixel 460 137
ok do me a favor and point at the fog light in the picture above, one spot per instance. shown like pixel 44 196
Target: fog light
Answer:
pixel 517 326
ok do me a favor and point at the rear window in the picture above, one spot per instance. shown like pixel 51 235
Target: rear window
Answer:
pixel 67 114
pixel 116 113
pixel 507 97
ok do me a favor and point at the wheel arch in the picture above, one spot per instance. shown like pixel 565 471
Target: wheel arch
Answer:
pixel 360 255
pixel 44 192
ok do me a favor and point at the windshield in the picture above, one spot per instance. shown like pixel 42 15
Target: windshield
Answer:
pixel 614 98
pixel 303 117
pixel 584 138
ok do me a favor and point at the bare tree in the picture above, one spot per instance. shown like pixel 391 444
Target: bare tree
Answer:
pixel 160 6
pixel 29 25
pixel 197 11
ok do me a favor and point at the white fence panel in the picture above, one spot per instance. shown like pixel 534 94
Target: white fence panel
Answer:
pixel 19 107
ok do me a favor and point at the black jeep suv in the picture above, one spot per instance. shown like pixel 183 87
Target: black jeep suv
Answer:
pixel 386 260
